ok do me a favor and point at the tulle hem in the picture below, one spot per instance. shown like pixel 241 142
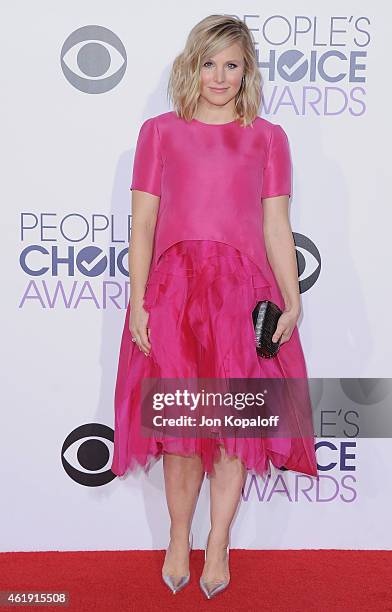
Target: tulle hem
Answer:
pixel 260 467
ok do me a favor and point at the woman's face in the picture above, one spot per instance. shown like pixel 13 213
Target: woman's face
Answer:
pixel 221 76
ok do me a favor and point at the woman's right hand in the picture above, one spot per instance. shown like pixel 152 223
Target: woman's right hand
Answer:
pixel 138 321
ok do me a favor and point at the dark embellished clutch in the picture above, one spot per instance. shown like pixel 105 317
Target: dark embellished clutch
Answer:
pixel 265 317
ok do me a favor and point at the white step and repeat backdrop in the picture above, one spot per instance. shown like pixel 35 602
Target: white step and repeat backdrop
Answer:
pixel 78 81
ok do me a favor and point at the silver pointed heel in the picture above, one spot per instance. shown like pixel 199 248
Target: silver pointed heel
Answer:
pixel 176 585
pixel 217 588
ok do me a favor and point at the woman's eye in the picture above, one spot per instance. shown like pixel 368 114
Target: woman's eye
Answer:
pixel 235 65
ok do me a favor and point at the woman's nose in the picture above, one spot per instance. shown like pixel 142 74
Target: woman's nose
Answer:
pixel 219 76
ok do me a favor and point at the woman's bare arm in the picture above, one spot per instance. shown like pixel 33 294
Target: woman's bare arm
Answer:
pixel 144 216
pixel 280 248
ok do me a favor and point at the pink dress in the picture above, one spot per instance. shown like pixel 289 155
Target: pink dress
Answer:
pixel 209 269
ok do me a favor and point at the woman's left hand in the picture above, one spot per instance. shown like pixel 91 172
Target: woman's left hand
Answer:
pixel 286 323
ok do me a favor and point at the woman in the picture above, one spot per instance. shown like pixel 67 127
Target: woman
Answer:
pixel 210 238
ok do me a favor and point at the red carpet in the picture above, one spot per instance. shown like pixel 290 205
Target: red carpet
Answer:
pixel 271 580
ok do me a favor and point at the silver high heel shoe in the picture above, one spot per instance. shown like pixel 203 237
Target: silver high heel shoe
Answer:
pixel 217 588
pixel 171 581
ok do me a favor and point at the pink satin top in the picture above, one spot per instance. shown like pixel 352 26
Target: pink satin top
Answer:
pixel 211 180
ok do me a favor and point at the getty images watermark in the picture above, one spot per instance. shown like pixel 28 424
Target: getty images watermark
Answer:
pixel 267 407
pixel 189 401
pixel 230 407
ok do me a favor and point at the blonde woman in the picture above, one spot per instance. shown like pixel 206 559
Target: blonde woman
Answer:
pixel 210 238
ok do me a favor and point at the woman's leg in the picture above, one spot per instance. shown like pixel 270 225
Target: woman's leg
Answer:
pixel 183 480
pixel 225 491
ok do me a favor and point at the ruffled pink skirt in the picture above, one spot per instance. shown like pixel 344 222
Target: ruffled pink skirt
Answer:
pixel 200 297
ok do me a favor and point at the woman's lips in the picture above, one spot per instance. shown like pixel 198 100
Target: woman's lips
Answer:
pixel 219 89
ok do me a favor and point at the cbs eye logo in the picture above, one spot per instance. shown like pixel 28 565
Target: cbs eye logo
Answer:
pixel 308 261
pixel 366 391
pixel 86 455
pixel 93 59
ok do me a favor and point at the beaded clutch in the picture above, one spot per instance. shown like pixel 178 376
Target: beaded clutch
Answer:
pixel 265 317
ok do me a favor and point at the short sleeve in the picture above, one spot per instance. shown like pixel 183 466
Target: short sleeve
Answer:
pixel 147 163
pixel 277 173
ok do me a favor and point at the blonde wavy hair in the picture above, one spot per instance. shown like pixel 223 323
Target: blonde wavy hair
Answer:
pixel 208 37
